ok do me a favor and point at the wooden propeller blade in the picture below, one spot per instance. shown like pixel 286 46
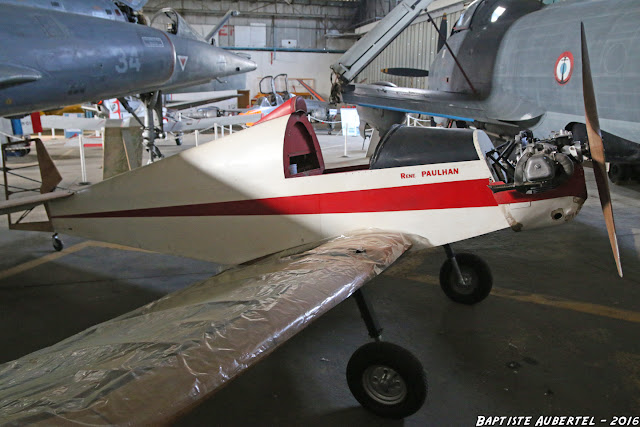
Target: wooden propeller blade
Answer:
pixel 597 149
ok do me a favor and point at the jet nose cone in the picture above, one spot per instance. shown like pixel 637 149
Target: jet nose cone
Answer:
pixel 236 64
pixel 245 65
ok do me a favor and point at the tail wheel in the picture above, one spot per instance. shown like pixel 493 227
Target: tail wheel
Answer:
pixel 387 380
pixel 57 243
pixel 477 279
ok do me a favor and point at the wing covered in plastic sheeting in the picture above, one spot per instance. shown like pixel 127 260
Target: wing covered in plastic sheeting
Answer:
pixel 147 366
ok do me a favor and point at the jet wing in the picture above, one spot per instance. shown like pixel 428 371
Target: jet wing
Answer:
pixel 313 93
pixel 69 122
pixel 16 74
pixel 458 106
pixel 147 366
pixel 191 104
pixel 186 125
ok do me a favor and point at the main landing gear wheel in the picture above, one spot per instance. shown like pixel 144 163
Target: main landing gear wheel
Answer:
pixel 57 243
pixel 619 173
pixel 387 380
pixel 476 276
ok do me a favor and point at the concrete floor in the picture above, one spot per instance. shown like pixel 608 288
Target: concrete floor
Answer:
pixel 558 335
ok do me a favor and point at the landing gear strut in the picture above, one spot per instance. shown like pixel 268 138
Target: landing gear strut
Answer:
pixel 153 102
pixel 464 277
pixel 385 378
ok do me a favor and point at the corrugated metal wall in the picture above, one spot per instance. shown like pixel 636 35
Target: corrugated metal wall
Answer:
pixel 415 47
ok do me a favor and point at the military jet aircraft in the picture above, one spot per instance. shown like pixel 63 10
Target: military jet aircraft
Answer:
pixel 267 190
pixel 511 65
pixel 76 51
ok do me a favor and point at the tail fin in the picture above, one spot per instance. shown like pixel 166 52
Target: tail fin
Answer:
pixel 50 178
pixel 49 173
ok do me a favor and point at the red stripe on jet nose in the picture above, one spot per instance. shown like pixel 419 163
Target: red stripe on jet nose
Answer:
pixel 446 195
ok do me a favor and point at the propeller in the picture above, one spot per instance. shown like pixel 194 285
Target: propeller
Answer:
pixel 596 147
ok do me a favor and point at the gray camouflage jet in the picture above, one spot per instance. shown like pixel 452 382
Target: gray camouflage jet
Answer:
pixel 64 52
pixel 521 58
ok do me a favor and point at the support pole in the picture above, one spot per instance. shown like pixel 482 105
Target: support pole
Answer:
pixel 83 166
pixel 346 132
pixel 215 131
pixel 53 133
pixel 197 133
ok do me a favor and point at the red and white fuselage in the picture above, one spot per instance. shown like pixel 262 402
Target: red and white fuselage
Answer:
pixel 240 198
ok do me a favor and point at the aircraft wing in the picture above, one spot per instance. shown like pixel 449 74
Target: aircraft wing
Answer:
pixel 312 91
pixel 186 125
pixel 69 122
pixel 151 364
pixel 458 106
pixel 191 104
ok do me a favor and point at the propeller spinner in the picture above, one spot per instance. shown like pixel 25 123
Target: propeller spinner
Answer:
pixel 596 147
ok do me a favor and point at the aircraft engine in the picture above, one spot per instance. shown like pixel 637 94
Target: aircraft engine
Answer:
pixel 533 166
pixel 542 165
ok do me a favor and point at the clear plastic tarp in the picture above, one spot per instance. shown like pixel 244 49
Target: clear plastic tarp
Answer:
pixel 147 366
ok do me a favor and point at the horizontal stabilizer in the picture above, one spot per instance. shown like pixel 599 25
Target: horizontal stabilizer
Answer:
pixel 11 75
pixel 148 366
pixel 20 204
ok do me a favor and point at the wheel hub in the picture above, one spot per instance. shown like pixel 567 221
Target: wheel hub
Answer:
pixel 469 281
pixel 384 384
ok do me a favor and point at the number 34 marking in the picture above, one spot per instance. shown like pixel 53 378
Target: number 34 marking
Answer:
pixel 127 62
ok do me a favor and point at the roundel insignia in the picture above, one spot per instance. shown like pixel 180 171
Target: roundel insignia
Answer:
pixel 564 67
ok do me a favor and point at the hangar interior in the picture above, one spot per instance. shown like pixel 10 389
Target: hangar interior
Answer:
pixel 556 338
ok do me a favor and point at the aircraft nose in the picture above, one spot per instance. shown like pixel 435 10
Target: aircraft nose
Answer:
pixel 244 65
pixel 233 63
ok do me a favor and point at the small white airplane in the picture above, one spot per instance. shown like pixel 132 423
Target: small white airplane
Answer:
pixel 263 191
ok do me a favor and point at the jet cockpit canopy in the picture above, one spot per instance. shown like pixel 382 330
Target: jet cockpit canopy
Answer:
pixel 170 21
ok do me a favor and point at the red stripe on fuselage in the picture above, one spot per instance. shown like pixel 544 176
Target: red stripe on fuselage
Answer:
pixel 446 195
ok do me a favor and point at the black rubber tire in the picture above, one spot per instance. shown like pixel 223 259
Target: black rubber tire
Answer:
pixel 178 141
pixel 18 152
pixel 473 268
pixel 381 356
pixel 57 244
pixel 619 173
